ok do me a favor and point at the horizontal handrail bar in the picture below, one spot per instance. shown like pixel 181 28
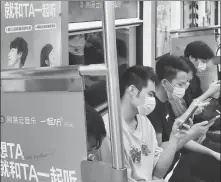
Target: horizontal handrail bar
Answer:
pixel 40 73
pixel 73 71
pixel 194 29
pixel 93 70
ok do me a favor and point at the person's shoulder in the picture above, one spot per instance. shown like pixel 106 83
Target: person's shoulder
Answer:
pixel 157 110
pixel 146 123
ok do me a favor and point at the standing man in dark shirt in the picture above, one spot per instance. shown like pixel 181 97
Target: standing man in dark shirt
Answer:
pixel 200 54
pixel 173 76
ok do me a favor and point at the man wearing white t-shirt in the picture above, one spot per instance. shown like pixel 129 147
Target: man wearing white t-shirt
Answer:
pixel 145 161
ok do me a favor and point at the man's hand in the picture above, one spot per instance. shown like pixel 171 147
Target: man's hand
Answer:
pixel 177 134
pixel 201 105
pixel 199 129
pixel 214 87
pixel 216 155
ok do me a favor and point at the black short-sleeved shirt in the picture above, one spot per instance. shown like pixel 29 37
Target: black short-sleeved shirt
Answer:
pixel 194 90
pixel 162 119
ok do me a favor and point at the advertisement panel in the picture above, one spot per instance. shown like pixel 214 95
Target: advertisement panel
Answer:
pixel 43 136
pixel 30 34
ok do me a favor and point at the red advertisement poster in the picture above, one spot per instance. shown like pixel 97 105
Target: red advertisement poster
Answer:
pixel 30 34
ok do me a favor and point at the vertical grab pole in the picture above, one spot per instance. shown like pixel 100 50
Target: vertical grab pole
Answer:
pixel 109 39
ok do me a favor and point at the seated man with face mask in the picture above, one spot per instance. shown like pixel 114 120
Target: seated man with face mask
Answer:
pixel 145 161
pixel 172 73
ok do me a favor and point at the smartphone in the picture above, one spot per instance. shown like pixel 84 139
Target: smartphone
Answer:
pixel 214 119
pixel 189 115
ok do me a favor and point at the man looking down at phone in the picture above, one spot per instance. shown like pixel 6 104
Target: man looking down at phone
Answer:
pixel 172 73
pixel 201 56
pixel 145 161
pixel 180 105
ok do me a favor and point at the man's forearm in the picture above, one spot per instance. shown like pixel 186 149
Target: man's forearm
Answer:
pixel 165 160
pixel 184 141
pixel 204 96
pixel 195 147
pixel 190 145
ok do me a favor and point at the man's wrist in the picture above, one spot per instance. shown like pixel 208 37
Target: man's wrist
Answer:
pixel 211 152
pixel 173 142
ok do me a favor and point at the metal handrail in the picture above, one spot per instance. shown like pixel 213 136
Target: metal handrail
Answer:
pixel 94 70
pixel 54 72
pixel 40 73
pixel 109 39
pixel 101 107
pixel 194 29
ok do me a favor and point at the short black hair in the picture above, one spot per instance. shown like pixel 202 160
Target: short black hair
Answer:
pixel 198 50
pixel 121 48
pixel 95 125
pixel 22 46
pixel 190 65
pixel 45 51
pixel 137 76
pixel 168 66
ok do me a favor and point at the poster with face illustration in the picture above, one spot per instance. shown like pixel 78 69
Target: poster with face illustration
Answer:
pixel 30 34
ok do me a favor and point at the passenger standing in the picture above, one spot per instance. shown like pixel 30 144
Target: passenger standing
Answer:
pixel 200 54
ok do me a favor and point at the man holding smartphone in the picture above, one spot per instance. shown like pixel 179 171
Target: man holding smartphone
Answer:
pixel 172 73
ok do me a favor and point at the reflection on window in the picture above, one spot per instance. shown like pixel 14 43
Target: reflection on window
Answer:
pixel 88 11
pixel 206 13
pixel 163 27
pixel 200 13
pixel 88 49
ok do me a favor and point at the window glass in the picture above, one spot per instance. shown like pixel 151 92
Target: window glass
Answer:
pixel 87 11
pixel 206 13
pixel 88 49
pixel 163 27
pixel 200 13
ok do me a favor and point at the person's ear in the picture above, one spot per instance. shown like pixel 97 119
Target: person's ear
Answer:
pixel 192 59
pixel 19 55
pixel 133 91
pixel 47 62
pixel 164 83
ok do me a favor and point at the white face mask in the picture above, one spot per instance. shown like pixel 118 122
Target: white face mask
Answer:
pixel 147 107
pixel 201 66
pixel 177 92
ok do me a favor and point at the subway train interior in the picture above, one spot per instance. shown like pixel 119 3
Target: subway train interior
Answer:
pixel 110 91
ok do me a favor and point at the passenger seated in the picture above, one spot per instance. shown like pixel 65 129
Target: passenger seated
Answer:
pixel 172 73
pixel 145 160
pixel 95 132
pixel 180 105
